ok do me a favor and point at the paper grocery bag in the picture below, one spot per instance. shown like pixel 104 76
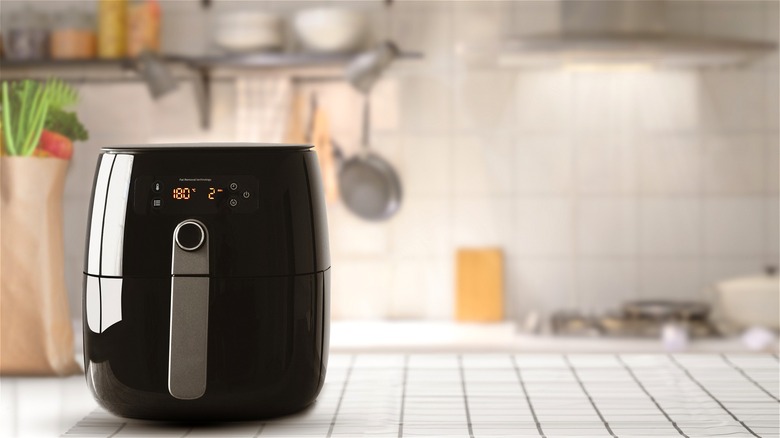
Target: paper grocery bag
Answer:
pixel 36 336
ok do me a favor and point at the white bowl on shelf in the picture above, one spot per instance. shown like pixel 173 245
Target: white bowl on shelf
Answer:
pixel 330 30
pixel 245 31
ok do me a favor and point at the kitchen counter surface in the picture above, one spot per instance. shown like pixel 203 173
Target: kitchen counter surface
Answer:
pixel 356 337
pixel 445 336
pixel 465 395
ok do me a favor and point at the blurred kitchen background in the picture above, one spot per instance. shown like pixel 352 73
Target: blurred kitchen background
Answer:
pixel 598 179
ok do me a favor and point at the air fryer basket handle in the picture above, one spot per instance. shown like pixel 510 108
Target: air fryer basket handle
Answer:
pixel 188 344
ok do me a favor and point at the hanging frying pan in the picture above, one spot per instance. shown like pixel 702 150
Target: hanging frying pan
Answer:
pixel 368 184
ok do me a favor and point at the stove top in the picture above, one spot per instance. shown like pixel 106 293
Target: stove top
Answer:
pixel 523 395
pixel 620 326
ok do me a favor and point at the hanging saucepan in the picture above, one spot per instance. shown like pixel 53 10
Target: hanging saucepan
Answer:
pixel 368 184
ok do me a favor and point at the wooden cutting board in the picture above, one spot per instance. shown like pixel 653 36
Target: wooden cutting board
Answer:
pixel 479 285
pixel 295 129
pixel 319 137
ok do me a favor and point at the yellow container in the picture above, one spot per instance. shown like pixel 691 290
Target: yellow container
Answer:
pixel 112 29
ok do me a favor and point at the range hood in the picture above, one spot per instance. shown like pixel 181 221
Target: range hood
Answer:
pixel 627 33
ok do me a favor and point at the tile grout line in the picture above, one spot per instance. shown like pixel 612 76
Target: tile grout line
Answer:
pixel 699 384
pixel 75 427
pixel 741 371
pixel 465 396
pixel 403 397
pixel 118 430
pixel 341 397
pixel 587 394
pixel 527 397
pixel 647 393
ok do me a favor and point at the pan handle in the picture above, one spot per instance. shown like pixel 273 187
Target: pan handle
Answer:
pixel 338 152
pixel 365 140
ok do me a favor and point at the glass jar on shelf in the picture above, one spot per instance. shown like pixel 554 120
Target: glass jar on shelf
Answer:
pixel 73 36
pixel 26 35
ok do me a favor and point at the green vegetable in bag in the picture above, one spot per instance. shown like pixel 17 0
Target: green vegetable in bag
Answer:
pixel 29 107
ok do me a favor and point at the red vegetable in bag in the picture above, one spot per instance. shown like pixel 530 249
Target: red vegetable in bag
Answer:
pixel 55 145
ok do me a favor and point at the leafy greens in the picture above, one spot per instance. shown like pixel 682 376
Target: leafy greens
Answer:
pixel 30 106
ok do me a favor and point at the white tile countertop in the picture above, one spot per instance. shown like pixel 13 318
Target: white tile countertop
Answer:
pixel 465 395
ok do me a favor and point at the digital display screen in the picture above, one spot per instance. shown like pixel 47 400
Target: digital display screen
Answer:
pixel 193 192
pixel 196 194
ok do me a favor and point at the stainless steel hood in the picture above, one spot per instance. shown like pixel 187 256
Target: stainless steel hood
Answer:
pixel 605 32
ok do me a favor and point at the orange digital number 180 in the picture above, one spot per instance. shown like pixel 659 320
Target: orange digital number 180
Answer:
pixel 182 193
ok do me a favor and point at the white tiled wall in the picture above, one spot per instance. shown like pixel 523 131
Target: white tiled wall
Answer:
pixel 600 186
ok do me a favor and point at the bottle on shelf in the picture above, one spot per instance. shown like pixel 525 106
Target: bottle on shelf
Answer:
pixel 143 27
pixel 112 29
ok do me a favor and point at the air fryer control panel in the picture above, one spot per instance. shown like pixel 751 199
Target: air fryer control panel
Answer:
pixel 195 194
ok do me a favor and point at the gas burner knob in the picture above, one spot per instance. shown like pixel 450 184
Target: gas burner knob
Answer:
pixel 190 235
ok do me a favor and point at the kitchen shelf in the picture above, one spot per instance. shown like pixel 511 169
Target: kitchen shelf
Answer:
pixel 261 60
pixel 201 70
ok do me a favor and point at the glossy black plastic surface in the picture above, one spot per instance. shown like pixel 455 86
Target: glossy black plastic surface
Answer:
pixel 207 147
pixel 286 235
pixel 269 282
pixel 267 350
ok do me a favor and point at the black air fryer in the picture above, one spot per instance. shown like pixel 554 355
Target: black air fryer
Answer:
pixel 206 281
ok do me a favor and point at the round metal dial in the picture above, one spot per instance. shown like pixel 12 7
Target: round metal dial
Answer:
pixel 190 235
